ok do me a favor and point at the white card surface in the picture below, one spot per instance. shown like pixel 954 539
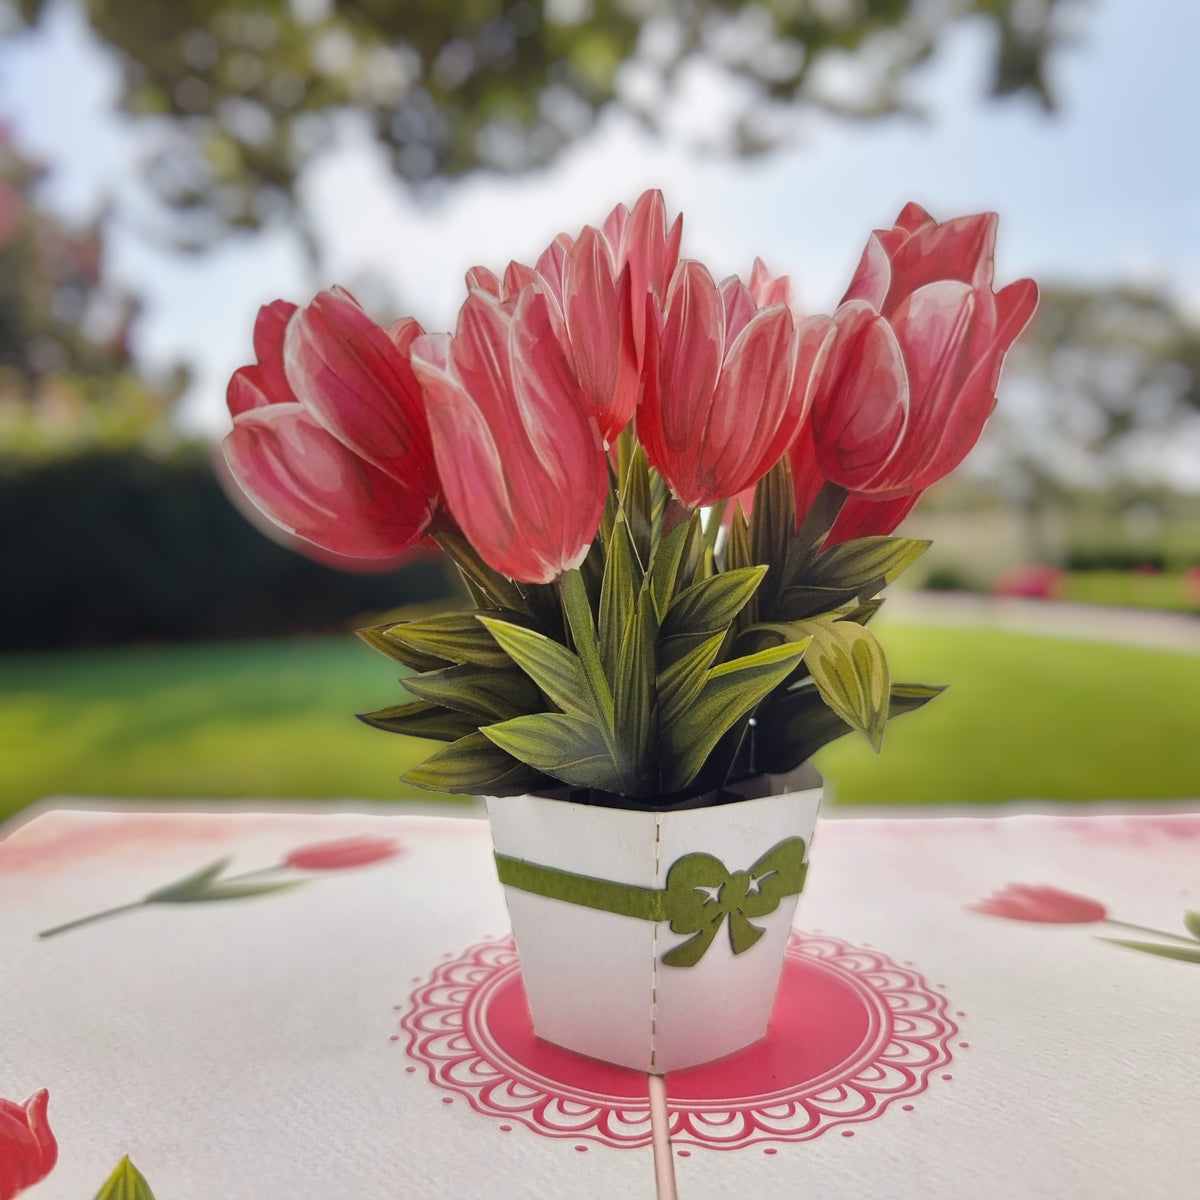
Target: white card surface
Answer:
pixel 361 1034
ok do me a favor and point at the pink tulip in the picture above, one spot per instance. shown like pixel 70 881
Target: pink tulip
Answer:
pixel 330 439
pixel 599 285
pixel 1047 905
pixel 347 852
pixel 727 385
pixel 912 374
pixel 517 445
pixel 28 1150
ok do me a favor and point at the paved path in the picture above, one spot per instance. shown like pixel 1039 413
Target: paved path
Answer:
pixel 1179 632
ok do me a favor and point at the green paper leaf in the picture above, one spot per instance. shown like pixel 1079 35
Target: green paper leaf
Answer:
pixel 233 891
pixel 731 690
pixel 636 700
pixel 772 525
pixel 567 747
pixel 1179 953
pixel 422 719
pixel 864 562
pixel 636 504
pixel 125 1183
pixel 681 682
pixel 581 624
pixel 475 766
pixel 553 668
pixel 848 666
pixel 455 637
pixel 379 637
pixel 486 693
pixel 1191 922
pixel 665 570
pixel 190 887
pixel 709 606
pixel 801 602
pixel 862 613
pixel 494 589
pixel 793 725
pixel 618 592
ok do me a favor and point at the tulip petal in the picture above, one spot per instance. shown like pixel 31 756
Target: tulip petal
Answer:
pixel 484 280
pixel 739 306
pixel 768 289
pixel 246 390
pixel 521 460
pixel 305 480
pixel 873 276
pixel 913 218
pixel 350 375
pixel 269 330
pixel 598 318
pixel 960 250
pixel 807 479
pixel 751 424
pixel 552 264
pixel 861 407
pixel 517 276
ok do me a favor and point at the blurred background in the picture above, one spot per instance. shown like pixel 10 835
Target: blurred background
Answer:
pixel 167 167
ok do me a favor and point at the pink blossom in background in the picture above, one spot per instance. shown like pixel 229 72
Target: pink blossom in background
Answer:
pixel 345 852
pixel 28 1150
pixel 1036 581
pixel 329 437
pixel 1047 905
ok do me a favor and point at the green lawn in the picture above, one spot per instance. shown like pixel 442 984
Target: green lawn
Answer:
pixel 1024 717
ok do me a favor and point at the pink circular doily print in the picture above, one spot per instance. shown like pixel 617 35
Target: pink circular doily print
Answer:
pixel 851 1031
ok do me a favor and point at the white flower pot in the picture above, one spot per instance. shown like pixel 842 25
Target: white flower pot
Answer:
pixel 595 978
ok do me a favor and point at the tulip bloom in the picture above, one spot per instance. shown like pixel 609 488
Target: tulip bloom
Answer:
pixel 1046 905
pixel 346 852
pixel 28 1150
pixel 330 439
pixel 727 384
pixel 912 373
pixel 599 285
pixel 519 452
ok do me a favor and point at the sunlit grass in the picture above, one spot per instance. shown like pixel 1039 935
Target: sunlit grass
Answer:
pixel 1025 716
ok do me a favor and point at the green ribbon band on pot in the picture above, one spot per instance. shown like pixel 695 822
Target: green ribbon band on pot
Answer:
pixel 700 894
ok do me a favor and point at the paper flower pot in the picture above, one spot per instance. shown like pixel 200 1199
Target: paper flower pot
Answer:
pixel 654 940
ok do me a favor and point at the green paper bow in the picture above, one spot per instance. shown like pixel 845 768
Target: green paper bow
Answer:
pixel 700 894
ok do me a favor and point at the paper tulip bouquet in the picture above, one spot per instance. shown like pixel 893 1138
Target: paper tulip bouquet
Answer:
pixel 670 498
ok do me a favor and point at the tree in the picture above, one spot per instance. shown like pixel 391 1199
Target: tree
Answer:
pixel 240 96
pixel 67 381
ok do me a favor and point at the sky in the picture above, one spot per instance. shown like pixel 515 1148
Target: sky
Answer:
pixel 1107 190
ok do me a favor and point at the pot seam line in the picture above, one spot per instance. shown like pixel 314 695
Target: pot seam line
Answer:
pixel 658 883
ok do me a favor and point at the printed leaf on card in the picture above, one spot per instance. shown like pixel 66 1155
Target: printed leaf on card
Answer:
pixel 125 1183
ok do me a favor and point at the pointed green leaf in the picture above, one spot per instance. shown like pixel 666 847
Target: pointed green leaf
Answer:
pixel 474 766
pixel 125 1183
pixel 1191 921
pixel 801 602
pixel 1180 953
pixel 773 519
pixel 862 613
pixel 737 545
pixel 233 891
pixel 665 570
pixel 848 666
pixel 636 504
pixel 485 693
pixel 190 887
pixel 422 719
pixel 379 637
pixel 581 624
pixel 793 725
pixel 731 690
pixel 618 593
pixel 569 748
pixel 863 562
pixel 681 682
pixel 455 637
pixel 554 669
pixel 709 606
pixel 495 589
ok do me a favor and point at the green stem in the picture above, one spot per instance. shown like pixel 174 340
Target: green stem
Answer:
pixel 1158 933
pixel 144 902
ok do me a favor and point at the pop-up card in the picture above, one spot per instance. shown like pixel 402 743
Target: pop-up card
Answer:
pixel 671 501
